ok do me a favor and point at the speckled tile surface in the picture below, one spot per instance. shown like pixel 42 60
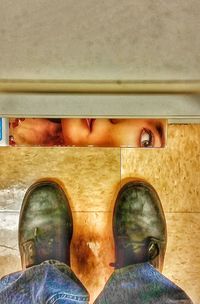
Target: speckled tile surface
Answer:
pixel 173 171
pixel 9 253
pixel 82 171
pixel 182 260
pixel 93 249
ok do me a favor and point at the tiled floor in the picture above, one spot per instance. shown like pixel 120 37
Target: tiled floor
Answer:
pixel 91 178
pixel 175 174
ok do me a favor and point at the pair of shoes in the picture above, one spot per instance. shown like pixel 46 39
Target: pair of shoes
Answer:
pixel 46 225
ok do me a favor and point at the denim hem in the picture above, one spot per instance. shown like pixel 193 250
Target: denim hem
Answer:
pixel 64 295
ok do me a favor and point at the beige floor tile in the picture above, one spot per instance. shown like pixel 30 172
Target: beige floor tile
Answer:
pixel 182 260
pixel 173 171
pixel 93 249
pixel 89 175
pixel 9 264
pixel 9 253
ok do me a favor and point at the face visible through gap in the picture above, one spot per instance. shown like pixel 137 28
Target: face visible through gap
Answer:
pixel 144 133
pixel 101 132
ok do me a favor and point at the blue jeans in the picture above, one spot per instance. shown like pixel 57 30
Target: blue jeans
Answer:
pixel 54 283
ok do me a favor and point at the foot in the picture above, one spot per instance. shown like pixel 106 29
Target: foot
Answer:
pixel 139 226
pixel 45 225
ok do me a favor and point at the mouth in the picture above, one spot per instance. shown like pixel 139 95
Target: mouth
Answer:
pixel 90 122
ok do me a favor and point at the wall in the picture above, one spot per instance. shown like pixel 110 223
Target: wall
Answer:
pixel 91 39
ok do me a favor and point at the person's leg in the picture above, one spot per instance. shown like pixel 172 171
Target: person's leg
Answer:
pixel 48 283
pixel 45 232
pixel 139 230
pixel 141 284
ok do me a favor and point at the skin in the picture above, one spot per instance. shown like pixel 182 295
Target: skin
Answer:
pixel 86 132
pixel 37 132
pixel 110 132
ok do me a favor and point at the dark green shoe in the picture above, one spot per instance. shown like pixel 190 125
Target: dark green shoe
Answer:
pixel 45 225
pixel 139 226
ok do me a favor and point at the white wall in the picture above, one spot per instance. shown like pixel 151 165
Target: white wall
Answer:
pixel 98 39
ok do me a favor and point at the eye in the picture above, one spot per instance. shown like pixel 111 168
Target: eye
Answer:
pixel 146 138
